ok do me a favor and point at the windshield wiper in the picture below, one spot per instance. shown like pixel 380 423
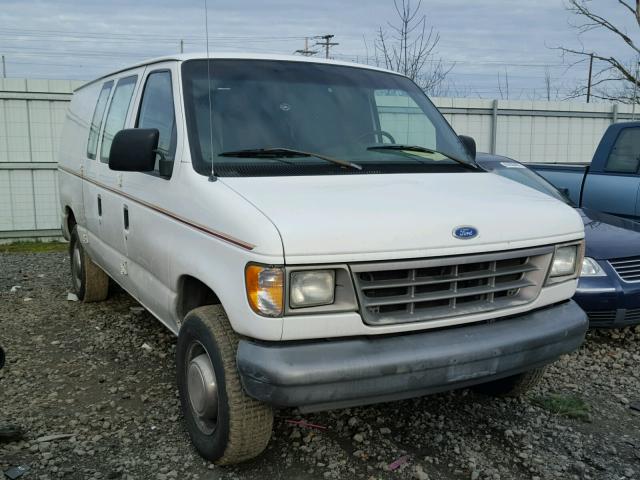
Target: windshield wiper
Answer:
pixel 418 148
pixel 286 152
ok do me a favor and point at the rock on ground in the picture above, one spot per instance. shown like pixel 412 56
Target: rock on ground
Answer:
pixel 97 405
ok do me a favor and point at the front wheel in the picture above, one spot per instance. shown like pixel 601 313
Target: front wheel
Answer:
pixel 514 385
pixel 90 283
pixel 225 425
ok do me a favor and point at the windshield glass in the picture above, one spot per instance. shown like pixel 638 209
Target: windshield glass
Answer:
pixel 335 111
pixel 521 174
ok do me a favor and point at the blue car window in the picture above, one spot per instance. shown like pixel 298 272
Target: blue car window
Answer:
pixel 625 154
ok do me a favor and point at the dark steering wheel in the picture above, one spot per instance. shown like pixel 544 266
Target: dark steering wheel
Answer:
pixel 384 133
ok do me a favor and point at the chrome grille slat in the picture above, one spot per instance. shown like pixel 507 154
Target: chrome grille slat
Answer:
pixel 622 262
pixel 430 289
pixel 628 269
pixel 368 285
pixel 463 292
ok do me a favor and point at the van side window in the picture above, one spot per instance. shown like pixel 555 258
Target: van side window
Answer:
pixel 156 111
pixel 625 154
pixel 117 115
pixel 96 121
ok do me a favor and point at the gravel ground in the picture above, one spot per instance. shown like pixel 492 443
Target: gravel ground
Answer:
pixel 103 375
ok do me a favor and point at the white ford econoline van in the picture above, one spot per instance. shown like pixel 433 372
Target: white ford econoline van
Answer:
pixel 315 234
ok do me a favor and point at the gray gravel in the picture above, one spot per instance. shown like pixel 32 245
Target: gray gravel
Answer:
pixel 81 371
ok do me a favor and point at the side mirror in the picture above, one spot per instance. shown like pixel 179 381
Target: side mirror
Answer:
pixel 134 150
pixel 470 144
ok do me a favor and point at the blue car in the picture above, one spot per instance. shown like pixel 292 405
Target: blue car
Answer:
pixel 609 285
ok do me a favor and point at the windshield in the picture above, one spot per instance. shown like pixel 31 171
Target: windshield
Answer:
pixel 521 174
pixel 335 111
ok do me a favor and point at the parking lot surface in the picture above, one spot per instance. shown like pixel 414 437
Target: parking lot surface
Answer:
pixel 99 381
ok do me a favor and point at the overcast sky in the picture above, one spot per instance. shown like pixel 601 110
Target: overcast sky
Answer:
pixel 483 39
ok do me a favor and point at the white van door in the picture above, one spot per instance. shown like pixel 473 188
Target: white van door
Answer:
pixel 91 193
pixel 112 203
pixel 151 230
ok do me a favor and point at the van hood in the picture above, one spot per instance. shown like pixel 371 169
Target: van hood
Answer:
pixel 373 217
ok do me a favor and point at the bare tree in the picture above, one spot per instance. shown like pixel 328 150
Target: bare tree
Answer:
pixel 503 89
pixel 409 47
pixel 614 77
pixel 551 91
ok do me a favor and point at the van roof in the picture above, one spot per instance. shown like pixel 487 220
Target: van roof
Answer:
pixel 243 56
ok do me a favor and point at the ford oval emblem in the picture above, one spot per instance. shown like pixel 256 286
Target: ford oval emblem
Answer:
pixel 465 232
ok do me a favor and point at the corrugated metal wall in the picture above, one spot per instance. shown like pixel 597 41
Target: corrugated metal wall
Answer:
pixel 32 113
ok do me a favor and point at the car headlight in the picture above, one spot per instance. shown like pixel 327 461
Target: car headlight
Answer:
pixel 311 288
pixel 265 289
pixel 564 261
pixel 591 268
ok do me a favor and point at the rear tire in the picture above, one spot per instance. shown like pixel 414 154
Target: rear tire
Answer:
pixel 226 426
pixel 90 283
pixel 514 385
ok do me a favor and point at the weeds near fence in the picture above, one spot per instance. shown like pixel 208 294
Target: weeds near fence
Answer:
pixel 34 247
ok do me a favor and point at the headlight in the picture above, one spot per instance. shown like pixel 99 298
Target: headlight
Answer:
pixel 311 288
pixel 591 268
pixel 265 289
pixel 564 261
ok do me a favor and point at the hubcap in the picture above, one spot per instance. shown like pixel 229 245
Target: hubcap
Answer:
pixel 202 389
pixel 76 267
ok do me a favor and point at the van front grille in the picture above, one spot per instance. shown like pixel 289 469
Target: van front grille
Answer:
pixel 436 288
pixel 627 268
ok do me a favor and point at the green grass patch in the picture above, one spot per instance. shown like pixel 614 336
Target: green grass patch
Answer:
pixel 565 405
pixel 34 247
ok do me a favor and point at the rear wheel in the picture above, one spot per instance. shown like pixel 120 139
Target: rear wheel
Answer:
pixel 90 283
pixel 225 425
pixel 514 385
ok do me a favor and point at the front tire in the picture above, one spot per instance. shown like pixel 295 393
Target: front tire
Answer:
pixel 514 385
pixel 225 425
pixel 90 283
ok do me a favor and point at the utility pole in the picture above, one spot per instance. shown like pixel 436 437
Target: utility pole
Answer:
pixel 306 52
pixel 181 46
pixel 589 83
pixel 326 44
pixel 4 68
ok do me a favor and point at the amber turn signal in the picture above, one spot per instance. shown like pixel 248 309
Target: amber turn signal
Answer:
pixel 265 289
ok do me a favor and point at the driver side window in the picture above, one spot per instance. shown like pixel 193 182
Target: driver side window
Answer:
pixel 156 111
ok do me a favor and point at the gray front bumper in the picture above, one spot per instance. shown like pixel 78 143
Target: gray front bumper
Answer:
pixel 356 371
